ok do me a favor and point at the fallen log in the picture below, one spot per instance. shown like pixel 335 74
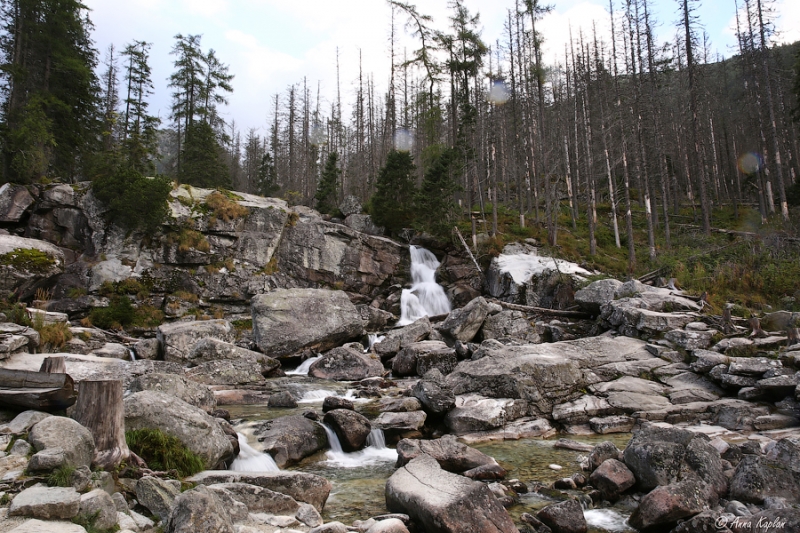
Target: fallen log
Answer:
pixel 54 365
pixel 36 390
pixel 541 310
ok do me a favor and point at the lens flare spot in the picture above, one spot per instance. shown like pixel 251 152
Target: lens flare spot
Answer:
pixel 499 93
pixel 750 163
pixel 403 140
pixel 317 135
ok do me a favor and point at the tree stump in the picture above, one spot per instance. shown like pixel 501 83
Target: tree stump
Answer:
pixel 54 365
pixel 755 326
pixel 792 336
pixel 99 408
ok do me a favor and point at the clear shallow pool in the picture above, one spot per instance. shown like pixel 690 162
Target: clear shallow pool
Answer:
pixel 359 478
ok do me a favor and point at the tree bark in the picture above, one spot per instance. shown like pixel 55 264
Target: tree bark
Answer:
pixel 100 409
pixel 54 365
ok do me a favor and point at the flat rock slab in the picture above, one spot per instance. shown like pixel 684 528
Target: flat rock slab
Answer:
pixel 46 502
pixel 303 487
pixel 629 384
pixel 38 526
pixel 443 502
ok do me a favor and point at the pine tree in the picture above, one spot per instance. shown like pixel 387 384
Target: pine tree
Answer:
pixel 392 205
pixel 202 158
pixel 326 196
pixel 50 91
pixel 140 141
pixel 436 209
pixel 267 180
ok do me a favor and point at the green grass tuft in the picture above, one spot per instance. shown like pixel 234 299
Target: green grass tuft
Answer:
pixel 163 452
pixel 61 476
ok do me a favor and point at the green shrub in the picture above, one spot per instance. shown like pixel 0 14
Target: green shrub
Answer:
pixel 163 452
pixel 133 201
pixel 56 334
pixel 118 314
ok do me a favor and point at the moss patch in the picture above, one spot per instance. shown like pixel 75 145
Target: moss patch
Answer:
pixel 163 452
pixel 29 259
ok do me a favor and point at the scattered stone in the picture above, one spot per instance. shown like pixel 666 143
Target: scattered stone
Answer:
pixel 68 436
pixel 48 503
pixel 289 439
pixel 282 399
pixel 156 495
pixel 352 428
pixel 336 402
pixel 564 517
pixel 346 363
pixel 98 507
pixel 435 396
pixel 612 478
pixel 198 511
pixel 177 339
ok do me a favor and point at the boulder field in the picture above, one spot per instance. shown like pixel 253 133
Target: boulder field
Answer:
pixel 712 403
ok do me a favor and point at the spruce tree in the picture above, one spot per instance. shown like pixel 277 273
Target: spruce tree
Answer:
pixel 436 209
pixel 326 188
pixel 140 141
pixel 202 158
pixel 50 91
pixel 392 205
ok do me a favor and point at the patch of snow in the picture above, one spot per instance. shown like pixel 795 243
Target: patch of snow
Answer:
pixel 522 267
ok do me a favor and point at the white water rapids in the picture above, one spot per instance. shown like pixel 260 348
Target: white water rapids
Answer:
pixel 252 460
pixel 425 297
pixel 375 452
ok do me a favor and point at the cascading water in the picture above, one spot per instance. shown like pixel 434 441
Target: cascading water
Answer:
pixel 375 452
pixel 302 370
pixel 319 395
pixel 425 297
pixel 373 339
pixel 252 460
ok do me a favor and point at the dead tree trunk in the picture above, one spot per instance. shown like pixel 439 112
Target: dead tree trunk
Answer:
pixel 54 365
pixel 100 409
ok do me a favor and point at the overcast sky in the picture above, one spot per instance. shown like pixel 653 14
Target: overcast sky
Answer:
pixel 270 44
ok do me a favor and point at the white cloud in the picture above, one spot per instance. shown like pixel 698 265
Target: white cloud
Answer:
pixel 788 25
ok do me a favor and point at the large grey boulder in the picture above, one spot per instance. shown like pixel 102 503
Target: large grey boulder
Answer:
pixel 596 294
pixel 25 262
pixel 303 487
pixel 350 205
pixel 612 478
pixel 289 439
pixel 758 477
pixel 664 456
pixel 64 435
pixel 258 499
pixel 564 517
pixel 363 224
pixel 227 372
pixel 50 526
pixel 48 503
pixel 419 357
pixel 401 337
pixel 548 374
pixel 157 495
pixel 178 386
pixel 198 511
pixel 665 505
pixel 352 428
pixel 443 502
pixel 315 252
pixel 463 324
pixel 14 201
pixel 191 425
pixel 23 422
pixel 509 324
pixel 98 507
pixel 178 339
pixel 473 412
pixel 391 422
pixel 346 363
pixel 435 395
pixel 288 321
pixel 211 349
pixel 450 454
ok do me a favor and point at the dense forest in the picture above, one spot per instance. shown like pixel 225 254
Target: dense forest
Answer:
pixel 621 125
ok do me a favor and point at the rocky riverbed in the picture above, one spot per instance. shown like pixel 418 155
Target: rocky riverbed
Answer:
pixel 540 402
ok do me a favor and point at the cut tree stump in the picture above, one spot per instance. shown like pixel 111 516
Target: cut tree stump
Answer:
pixel 100 409
pixel 54 365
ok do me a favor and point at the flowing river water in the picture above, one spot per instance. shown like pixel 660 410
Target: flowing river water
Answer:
pixel 359 478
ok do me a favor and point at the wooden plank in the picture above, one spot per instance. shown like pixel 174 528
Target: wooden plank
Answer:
pixel 21 379
pixel 36 390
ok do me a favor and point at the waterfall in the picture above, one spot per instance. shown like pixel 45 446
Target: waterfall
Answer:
pixel 375 452
pixel 302 370
pixel 376 439
pixel 373 339
pixel 425 297
pixel 252 460
pixel 607 520
pixel 132 354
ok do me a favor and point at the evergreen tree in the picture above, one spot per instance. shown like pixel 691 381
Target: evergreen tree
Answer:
pixel 326 188
pixel 267 177
pixel 392 205
pixel 133 201
pixel 202 158
pixel 436 209
pixel 50 92
pixel 140 142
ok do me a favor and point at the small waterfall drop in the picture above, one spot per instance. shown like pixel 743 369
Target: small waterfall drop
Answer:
pixel 132 354
pixel 252 460
pixel 319 395
pixel 302 370
pixel 375 452
pixel 373 339
pixel 425 297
